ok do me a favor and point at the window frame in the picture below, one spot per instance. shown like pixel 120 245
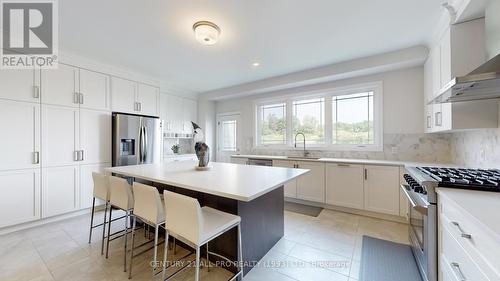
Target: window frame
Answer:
pixel 327 94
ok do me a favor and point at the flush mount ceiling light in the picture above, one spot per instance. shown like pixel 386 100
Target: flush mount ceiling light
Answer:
pixel 256 64
pixel 207 33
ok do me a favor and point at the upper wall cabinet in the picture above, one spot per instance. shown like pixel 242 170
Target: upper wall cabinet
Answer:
pixel 136 98
pixel 460 49
pixel 71 86
pixel 20 85
pixel 177 113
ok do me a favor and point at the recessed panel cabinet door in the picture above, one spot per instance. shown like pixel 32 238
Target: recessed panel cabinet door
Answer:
pixel 291 186
pixel 87 184
pixel 94 89
pixel 20 200
pixel 59 190
pixel 20 131
pixel 311 186
pixel 20 85
pixel 60 135
pixel 148 98
pixel 344 185
pixel 95 136
pixel 382 189
pixel 174 114
pixel 123 95
pixel 59 86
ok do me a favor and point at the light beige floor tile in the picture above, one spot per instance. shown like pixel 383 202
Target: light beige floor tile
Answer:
pixel 321 258
pixel 82 270
pixel 304 271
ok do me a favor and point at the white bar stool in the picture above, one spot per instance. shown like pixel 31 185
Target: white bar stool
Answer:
pixel 101 191
pixel 149 207
pixel 197 226
pixel 120 197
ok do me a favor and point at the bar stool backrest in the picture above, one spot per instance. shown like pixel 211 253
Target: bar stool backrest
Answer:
pixel 183 216
pixel 148 204
pixel 120 193
pixel 101 186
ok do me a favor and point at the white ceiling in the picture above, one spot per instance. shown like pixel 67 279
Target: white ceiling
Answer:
pixel 155 36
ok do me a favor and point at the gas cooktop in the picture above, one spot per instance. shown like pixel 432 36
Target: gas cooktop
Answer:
pixel 474 179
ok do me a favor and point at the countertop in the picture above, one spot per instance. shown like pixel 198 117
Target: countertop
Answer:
pixel 483 206
pixel 185 155
pixel 342 160
pixel 239 182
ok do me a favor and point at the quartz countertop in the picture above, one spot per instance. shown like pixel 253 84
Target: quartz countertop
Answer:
pixel 239 182
pixel 483 206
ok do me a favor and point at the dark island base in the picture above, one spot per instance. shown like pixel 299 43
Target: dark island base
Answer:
pixel 262 224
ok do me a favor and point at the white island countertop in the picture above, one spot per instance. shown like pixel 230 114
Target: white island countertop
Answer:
pixel 234 181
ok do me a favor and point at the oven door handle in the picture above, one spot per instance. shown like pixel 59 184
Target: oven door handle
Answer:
pixel 419 208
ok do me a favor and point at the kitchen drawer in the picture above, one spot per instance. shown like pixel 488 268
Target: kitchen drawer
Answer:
pixel 455 257
pixel 481 246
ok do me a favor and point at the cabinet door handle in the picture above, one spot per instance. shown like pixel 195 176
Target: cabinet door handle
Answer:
pixel 366 174
pixel 81 98
pixel 36 157
pixel 458 271
pixel 76 98
pixel 462 232
pixel 76 155
pixel 439 119
pixel 36 92
pixel 81 155
pixel 140 106
pixel 343 165
pixel 429 121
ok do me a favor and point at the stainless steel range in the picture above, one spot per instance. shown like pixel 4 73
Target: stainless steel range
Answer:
pixel 420 188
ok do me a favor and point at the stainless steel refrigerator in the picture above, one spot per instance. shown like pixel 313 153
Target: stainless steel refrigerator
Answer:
pixel 136 140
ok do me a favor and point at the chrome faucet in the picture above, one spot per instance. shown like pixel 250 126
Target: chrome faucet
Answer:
pixel 304 136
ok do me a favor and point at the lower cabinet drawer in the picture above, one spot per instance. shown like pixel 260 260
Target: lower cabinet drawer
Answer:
pixel 454 257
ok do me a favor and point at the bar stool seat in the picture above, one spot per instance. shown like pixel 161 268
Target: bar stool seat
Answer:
pixel 216 221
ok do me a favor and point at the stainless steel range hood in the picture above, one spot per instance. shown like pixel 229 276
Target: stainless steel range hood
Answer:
pixel 481 84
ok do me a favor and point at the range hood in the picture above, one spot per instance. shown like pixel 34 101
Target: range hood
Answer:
pixel 481 84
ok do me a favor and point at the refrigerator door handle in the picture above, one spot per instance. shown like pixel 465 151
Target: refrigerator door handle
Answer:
pixel 145 143
pixel 141 147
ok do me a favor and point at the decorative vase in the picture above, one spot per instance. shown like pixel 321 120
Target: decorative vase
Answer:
pixel 203 154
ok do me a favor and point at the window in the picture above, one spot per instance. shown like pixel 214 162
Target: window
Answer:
pixel 352 119
pixel 273 124
pixel 309 119
pixel 228 135
pixel 349 118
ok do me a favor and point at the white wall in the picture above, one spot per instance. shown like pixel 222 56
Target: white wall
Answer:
pixel 492 18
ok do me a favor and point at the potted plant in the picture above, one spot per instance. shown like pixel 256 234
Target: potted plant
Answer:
pixel 175 148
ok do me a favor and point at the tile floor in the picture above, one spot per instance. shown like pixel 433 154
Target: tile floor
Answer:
pixel 327 247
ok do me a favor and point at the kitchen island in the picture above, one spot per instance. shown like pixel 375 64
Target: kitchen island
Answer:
pixel 255 193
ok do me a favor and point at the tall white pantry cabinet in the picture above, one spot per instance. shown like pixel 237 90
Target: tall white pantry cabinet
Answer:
pixel 57 126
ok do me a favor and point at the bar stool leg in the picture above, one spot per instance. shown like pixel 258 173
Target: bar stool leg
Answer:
pixel 208 261
pixel 240 253
pixel 132 249
pixel 126 234
pixel 165 255
pixel 104 227
pixel 92 220
pixel 155 252
pixel 109 229
pixel 197 269
pixel 175 247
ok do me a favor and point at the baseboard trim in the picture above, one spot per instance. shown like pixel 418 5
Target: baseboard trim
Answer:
pixel 350 210
pixel 40 222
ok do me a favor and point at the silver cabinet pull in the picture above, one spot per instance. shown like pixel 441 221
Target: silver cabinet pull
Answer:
pixel 462 232
pixel 439 119
pixel 36 157
pixel 76 98
pixel 80 155
pixel 429 122
pixel 140 106
pixel 366 174
pixel 343 165
pixel 136 106
pixel 76 155
pixel 458 271
pixel 36 92
pixel 81 98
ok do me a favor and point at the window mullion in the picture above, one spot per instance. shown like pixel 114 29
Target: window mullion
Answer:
pixel 289 125
pixel 328 120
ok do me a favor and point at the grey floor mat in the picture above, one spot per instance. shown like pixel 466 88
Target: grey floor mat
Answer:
pixel 383 260
pixel 302 209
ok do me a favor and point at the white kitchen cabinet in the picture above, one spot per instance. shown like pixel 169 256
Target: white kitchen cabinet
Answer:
pixel 60 86
pixel 123 95
pixel 290 188
pixel 174 121
pixel 403 200
pixel 94 90
pixel 148 98
pixel 95 136
pixel 458 51
pixel 189 115
pixel 381 186
pixel 59 190
pixel 20 200
pixel 87 184
pixel 243 161
pixel 311 186
pixel 20 85
pixel 20 127
pixel 60 135
pixel 344 185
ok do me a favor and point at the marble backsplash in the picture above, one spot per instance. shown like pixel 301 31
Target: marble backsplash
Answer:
pixel 426 148
pixel 477 148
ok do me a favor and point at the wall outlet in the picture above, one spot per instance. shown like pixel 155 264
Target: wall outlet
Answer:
pixel 394 150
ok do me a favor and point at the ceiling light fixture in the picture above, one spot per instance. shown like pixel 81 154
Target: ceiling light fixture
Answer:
pixel 207 33
pixel 255 64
